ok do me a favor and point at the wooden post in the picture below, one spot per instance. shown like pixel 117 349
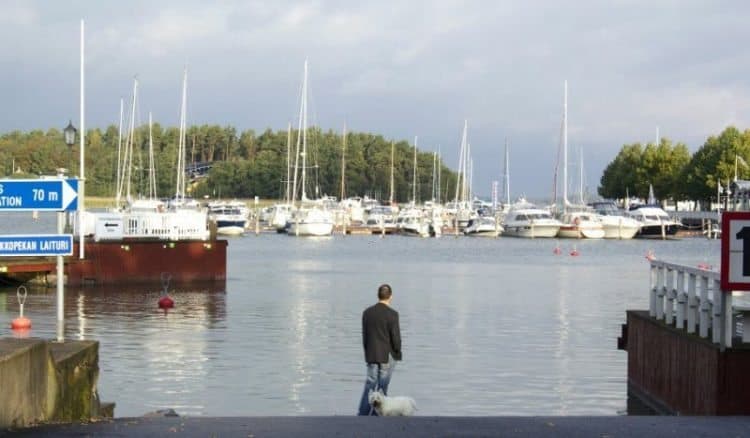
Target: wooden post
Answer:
pixel 692 309
pixel 717 325
pixel 670 295
pixel 681 300
pixel 652 291
pixel 660 293
pixel 705 307
pixel 728 329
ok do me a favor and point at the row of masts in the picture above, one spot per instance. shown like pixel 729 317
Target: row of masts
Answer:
pixel 125 151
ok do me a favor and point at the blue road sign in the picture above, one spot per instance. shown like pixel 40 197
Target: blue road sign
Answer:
pixel 38 194
pixel 38 245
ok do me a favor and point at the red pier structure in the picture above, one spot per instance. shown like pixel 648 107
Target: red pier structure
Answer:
pixel 127 262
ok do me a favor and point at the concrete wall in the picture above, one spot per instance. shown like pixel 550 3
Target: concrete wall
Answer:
pixel 43 381
pixel 25 365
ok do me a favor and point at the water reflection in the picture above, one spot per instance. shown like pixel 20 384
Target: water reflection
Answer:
pixel 490 327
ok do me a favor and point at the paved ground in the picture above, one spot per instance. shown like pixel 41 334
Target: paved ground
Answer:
pixel 601 427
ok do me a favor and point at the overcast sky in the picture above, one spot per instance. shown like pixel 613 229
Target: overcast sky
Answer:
pixel 397 68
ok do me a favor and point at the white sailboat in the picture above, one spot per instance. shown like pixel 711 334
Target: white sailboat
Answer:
pixel 578 221
pixel 461 206
pixel 281 214
pixel 149 218
pixel 312 218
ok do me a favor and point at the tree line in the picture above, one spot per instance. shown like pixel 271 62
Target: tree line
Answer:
pixel 243 165
pixel 673 172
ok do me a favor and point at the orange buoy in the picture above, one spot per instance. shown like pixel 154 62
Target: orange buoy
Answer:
pixel 21 323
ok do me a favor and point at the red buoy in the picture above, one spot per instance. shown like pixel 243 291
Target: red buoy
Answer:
pixel 21 323
pixel 557 251
pixel 575 253
pixel 165 302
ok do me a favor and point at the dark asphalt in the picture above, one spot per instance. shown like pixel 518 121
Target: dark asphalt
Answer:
pixel 251 427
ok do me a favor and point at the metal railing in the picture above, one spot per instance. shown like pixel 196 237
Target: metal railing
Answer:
pixel 691 299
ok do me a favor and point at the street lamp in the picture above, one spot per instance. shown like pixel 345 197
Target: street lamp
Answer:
pixel 70 134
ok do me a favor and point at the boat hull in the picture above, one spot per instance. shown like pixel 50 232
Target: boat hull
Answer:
pixel 618 232
pixel 655 231
pixel 310 229
pixel 527 231
pixel 577 232
pixel 144 261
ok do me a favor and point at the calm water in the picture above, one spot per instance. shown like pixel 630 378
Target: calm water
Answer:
pixel 490 327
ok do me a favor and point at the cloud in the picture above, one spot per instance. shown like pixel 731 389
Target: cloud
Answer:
pixel 398 68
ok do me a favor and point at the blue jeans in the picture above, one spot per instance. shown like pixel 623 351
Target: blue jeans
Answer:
pixel 378 377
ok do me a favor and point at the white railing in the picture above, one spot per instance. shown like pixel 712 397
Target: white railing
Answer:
pixel 169 225
pixel 691 299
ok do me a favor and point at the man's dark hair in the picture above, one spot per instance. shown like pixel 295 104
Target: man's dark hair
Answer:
pixel 384 292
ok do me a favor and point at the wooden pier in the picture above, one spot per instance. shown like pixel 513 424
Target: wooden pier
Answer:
pixel 685 354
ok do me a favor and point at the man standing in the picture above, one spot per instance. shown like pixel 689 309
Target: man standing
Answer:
pixel 381 339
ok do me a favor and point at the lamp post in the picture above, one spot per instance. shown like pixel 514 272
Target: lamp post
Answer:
pixel 69 133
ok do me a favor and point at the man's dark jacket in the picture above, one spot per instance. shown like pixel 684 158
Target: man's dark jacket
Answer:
pixel 381 334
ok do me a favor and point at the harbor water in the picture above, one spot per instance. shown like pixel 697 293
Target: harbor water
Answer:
pixel 490 326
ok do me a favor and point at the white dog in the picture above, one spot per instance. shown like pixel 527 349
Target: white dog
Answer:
pixel 391 406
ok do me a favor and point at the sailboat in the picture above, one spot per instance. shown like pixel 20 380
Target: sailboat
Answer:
pixel 578 221
pixel 312 218
pixel 281 213
pixel 461 206
pixel 411 220
pixel 148 217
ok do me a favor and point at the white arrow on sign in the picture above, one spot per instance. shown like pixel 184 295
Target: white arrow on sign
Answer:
pixel 69 194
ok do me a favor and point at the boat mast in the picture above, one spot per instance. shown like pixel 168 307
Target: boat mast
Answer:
pixel 180 183
pixel 461 166
pixel 565 148
pixel 434 175
pixel 507 175
pixel 304 132
pixel 343 165
pixel 288 159
pixel 299 135
pixel 151 166
pixel 439 172
pixel 392 151
pixel 414 175
pixel 118 182
pixel 129 147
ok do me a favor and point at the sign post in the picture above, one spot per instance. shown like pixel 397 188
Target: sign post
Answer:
pixel 51 194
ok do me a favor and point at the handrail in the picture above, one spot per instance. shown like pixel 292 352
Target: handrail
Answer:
pixel 691 298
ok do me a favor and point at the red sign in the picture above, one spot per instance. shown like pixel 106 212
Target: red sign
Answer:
pixel 735 251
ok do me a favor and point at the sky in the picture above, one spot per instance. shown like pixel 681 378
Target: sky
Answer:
pixel 399 69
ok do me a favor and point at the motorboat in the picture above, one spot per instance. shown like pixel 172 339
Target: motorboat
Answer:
pixel 411 222
pixel 655 222
pixel 483 226
pixel 581 224
pixel 228 217
pixel 380 219
pixel 616 224
pixel 530 222
pixel 312 221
